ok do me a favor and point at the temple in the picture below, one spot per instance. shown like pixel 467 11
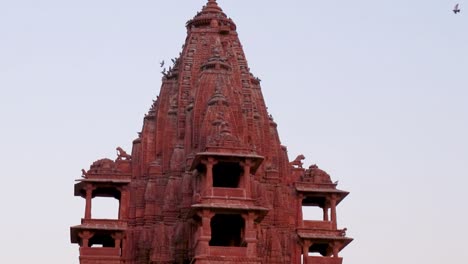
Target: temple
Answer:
pixel 207 180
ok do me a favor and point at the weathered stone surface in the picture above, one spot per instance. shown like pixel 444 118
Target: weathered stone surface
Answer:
pixel 208 180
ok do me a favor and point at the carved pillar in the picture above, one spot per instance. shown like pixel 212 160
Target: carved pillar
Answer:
pixel 205 232
pixel 85 237
pixel 89 196
pixel 117 239
pixel 300 217
pixel 333 211
pixel 209 163
pixel 250 234
pixel 305 251
pixel 124 202
pixel 325 213
pixel 246 178
pixel 335 249
pixel 206 223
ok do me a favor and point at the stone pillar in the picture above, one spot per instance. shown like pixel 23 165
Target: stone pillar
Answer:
pixel 124 202
pixel 85 237
pixel 209 163
pixel 305 251
pixel 333 211
pixel 325 213
pixel 246 177
pixel 300 217
pixel 250 234
pixel 117 239
pixel 89 196
pixel 335 249
pixel 205 234
pixel 206 223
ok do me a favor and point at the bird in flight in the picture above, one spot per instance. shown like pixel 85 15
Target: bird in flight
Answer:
pixel 456 9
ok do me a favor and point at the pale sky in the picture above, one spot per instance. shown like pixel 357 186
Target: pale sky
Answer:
pixel 374 92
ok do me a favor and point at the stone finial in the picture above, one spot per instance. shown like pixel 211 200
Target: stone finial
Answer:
pixel 212 6
pixel 212 2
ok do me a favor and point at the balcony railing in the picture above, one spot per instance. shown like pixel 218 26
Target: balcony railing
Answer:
pixel 110 223
pixel 109 176
pixel 229 192
pixel 323 260
pixel 317 228
pixel 311 185
pixel 99 251
pixel 228 251
pixel 314 224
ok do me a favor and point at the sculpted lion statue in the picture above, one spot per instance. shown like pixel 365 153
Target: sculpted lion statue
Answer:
pixel 121 154
pixel 298 161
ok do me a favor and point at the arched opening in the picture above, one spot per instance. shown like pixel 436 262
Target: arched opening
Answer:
pixel 227 174
pixel 227 230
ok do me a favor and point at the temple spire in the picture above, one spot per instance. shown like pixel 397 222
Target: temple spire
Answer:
pixel 208 180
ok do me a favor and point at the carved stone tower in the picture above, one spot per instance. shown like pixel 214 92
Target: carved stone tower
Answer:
pixel 208 180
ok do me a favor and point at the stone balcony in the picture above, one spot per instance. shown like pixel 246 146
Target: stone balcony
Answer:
pixel 108 226
pixel 323 260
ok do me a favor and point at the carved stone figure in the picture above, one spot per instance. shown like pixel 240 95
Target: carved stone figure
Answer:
pixel 122 155
pixel 298 161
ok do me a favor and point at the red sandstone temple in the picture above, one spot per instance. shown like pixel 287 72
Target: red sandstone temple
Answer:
pixel 208 180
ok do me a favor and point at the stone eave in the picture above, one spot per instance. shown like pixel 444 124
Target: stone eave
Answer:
pixel 319 192
pixel 81 183
pixel 325 238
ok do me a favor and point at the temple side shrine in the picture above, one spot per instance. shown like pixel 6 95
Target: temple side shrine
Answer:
pixel 207 180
